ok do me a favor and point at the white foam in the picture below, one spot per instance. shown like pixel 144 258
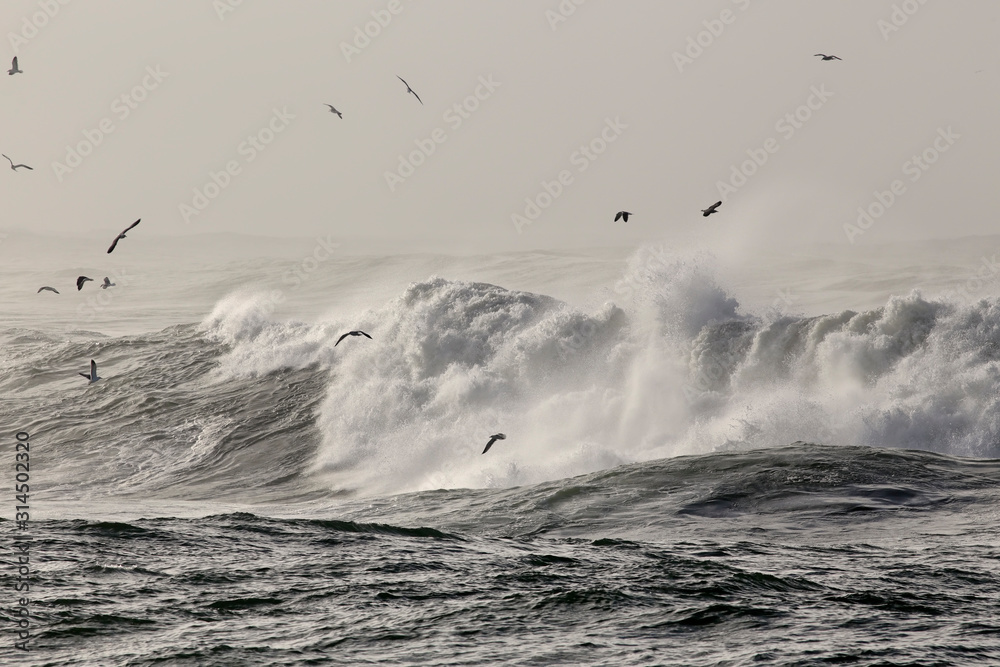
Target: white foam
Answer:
pixel 675 368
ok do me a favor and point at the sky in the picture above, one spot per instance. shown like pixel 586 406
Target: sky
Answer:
pixel 540 120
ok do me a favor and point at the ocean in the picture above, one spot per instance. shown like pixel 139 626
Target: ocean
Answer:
pixel 711 459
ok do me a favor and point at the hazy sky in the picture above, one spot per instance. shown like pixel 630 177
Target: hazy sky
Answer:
pixel 184 85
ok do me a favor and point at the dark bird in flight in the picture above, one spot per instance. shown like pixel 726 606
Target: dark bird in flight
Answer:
pixel 121 236
pixel 825 57
pixel 410 90
pixel 332 110
pixel 352 333
pixel 15 167
pixel 494 438
pixel 80 281
pixel 622 215
pixel 107 283
pixel 711 209
pixel 51 289
pixel 92 375
pixel 13 67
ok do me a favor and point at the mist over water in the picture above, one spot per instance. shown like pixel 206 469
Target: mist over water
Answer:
pixel 689 447
pixel 769 436
pixel 645 356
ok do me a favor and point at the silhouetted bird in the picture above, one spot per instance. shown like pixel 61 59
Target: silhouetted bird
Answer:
pixel 13 67
pixel 80 281
pixel 121 236
pixel 15 167
pixel 410 90
pixel 351 333
pixel 711 209
pixel 332 110
pixel 51 289
pixel 92 376
pixel 107 283
pixel 824 57
pixel 494 438
pixel 622 215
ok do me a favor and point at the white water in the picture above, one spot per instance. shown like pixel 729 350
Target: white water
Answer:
pixel 671 364
pixel 603 357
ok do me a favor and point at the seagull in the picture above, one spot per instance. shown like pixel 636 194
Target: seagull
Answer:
pixel 80 281
pixel 13 69
pixel 51 289
pixel 107 283
pixel 825 57
pixel 15 167
pixel 332 110
pixel 622 215
pixel 351 333
pixel 92 376
pixel 494 438
pixel 410 90
pixel 122 235
pixel 711 209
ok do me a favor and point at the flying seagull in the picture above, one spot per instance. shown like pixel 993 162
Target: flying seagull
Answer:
pixel 410 90
pixel 15 167
pixel 711 209
pixel 80 281
pixel 351 333
pixel 494 438
pixel 122 235
pixel 826 57
pixel 332 110
pixel 622 215
pixel 51 289
pixel 92 376
pixel 107 283
pixel 13 69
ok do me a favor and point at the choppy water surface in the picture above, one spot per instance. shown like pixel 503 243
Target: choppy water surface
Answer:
pixel 796 555
pixel 686 480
